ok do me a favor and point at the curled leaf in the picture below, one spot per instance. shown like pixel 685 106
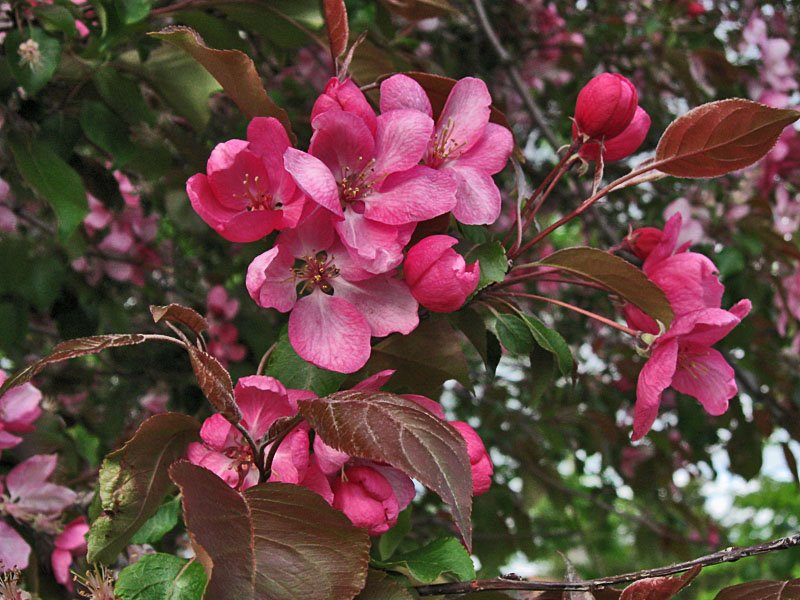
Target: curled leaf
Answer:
pixel 335 14
pixel 215 381
pixel 177 313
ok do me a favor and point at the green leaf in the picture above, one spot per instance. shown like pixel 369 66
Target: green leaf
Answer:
pixel 442 557
pixel 123 95
pixel 275 540
pixel 390 540
pixel 382 586
pixel 160 524
pixel 107 131
pixel 161 577
pixel 134 479
pixel 58 18
pixel 519 332
pixel 52 179
pixel 394 430
pixel 551 340
pixel 617 275
pixel 87 444
pixel 493 261
pixel 132 11
pixel 513 333
pixel 284 364
pixel 33 77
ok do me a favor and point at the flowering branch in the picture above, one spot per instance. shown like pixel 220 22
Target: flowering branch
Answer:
pixel 511 583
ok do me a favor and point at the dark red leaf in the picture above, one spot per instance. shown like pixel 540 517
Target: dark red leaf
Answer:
pixel 388 428
pixel 215 381
pixel 762 590
pixel 275 540
pixel 177 313
pixel 658 588
pixel 335 14
pixel 720 137
pixel 381 586
pixel 416 10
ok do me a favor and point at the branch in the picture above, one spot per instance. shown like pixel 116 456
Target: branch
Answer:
pixel 501 583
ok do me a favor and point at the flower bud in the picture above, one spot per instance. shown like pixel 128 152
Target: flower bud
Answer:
pixel 479 461
pixel 622 145
pixel 642 241
pixel 438 276
pixel 605 106
pixel 367 498
pixel 345 96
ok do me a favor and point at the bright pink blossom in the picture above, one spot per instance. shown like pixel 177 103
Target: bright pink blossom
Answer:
pixel 621 145
pixel 223 335
pixel 19 408
pixel 69 543
pixel 605 106
pixel 247 193
pixel 438 276
pixel 480 463
pixel 367 498
pixel 372 183
pixel 340 307
pixel 464 145
pixel 345 96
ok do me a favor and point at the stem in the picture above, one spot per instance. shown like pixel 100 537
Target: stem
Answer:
pixel 253 448
pixel 265 474
pixel 262 364
pixel 164 338
pixel 501 583
pixel 577 309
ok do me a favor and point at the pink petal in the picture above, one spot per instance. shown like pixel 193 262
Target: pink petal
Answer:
pixel 262 401
pixel 689 281
pixel 430 405
pixel 342 140
pixel 218 434
pixel 400 91
pixel 367 498
pixel 704 374
pixel 705 327
pixel 385 303
pixel 269 280
pixel 291 459
pixel 478 200
pixel 654 378
pixel 374 382
pixel 417 194
pixel 466 112
pixel 216 462
pixel 73 537
pixel 317 481
pixel 330 332
pixel 60 560
pixel 666 245
pixel 19 407
pixel 315 179
pixel 491 152
pixel 329 459
pixel 344 96
pixel 481 465
pixel 373 246
pixel 401 140
pixel 14 550
pixel 402 485
pixel 267 138
pixel 8 441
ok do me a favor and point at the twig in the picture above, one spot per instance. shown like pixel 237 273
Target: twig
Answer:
pixel 267 463
pixel 500 583
pixel 262 364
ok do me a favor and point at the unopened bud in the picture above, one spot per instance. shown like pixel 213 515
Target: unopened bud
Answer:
pixel 605 106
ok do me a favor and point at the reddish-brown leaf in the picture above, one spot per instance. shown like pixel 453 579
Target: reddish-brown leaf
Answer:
pixel 416 10
pixel 762 590
pixel 388 428
pixel 215 381
pixel 438 88
pixel 335 14
pixel 72 349
pixel 275 540
pixel 381 586
pixel 134 479
pixel 658 588
pixel 177 313
pixel 720 137
pixel 235 72
pixel 617 275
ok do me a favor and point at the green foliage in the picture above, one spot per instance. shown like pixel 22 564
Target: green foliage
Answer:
pixel 33 75
pixel 161 523
pixel 161 577
pixel 493 261
pixel 445 557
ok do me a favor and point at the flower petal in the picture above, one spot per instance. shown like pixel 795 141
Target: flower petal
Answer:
pixel 400 91
pixel 654 378
pixel 14 550
pixel 466 112
pixel 417 194
pixel 477 197
pixel 704 374
pixel 402 138
pixel 315 179
pixel 269 280
pixel 386 304
pixel 490 153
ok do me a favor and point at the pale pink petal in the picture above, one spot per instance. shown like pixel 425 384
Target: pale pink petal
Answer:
pixel 314 178
pixel 269 280
pixel 328 459
pixel 374 246
pixel 8 441
pixel 654 378
pixel 490 153
pixel 317 481
pixel 291 459
pixel 704 374
pixel 400 91
pixel 385 303
pixel 417 194
pixel 343 142
pixel 374 382
pixel 401 141
pixel 466 112
pixel 477 197
pixel 330 332
pixel 14 550
pixel 19 407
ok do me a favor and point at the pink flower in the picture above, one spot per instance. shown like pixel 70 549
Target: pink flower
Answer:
pixel 247 193
pixel 368 499
pixel 345 96
pixel 621 145
pixel 438 277
pixel 480 463
pixel 605 107
pixel 262 401
pixel 219 305
pixel 683 358
pixel 340 307
pixel 372 183
pixel 70 542
pixel 223 336
pixel 465 145
pixel 29 496
pixel 19 408
pixel 14 550
pixel 8 220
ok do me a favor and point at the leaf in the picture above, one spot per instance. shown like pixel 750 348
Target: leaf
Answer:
pixel 107 131
pixel 389 541
pixel 617 275
pixel 335 14
pixel 52 179
pixel 132 11
pixel 445 556
pixel 493 261
pixel 177 313
pixel 161 523
pixel 235 72
pixel 275 540
pixel 519 332
pixel 215 381
pixel 32 77
pixel 161 577
pixel 513 333
pixel 720 137
pixel 134 479
pixel 438 88
pixel 87 444
pixel 123 95
pixel 416 10
pixel 391 429
pixel 553 342
pixel 424 359
pixel 381 586
pixel 72 349
pixel 57 17
pixel 762 590
pixel 295 373
pixel 659 588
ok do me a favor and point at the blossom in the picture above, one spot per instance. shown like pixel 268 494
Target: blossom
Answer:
pixel 70 542
pixel 621 145
pixel 439 278
pixel 605 106
pixel 479 461
pixel 465 145
pixel 372 184
pixel 246 192
pixel 223 335
pixel 345 96
pixel 19 408
pixel 14 550
pixel 29 496
pixel 8 220
pixel 340 305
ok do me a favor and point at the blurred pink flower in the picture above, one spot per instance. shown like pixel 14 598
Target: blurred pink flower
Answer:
pixel 480 463
pixel 19 408
pixel 70 542
pixel 29 497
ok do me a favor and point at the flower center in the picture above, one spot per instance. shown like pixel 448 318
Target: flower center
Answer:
pixel 315 272
pixel 356 184
pixel 442 145
pixel 256 197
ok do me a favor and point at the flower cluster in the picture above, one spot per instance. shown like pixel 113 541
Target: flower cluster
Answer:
pixel 222 333
pixel 371 494
pixel 347 208
pixel 682 356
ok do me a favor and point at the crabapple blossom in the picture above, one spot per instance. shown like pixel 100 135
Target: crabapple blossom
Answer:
pixel 336 306
pixel 29 496
pixel 438 276
pixel 479 461
pixel 223 335
pixel 345 96
pixel 19 408
pixel 605 107
pixel 14 550
pixel 465 145
pixel 69 543
pixel 8 220
pixel 621 145
pixel 246 192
